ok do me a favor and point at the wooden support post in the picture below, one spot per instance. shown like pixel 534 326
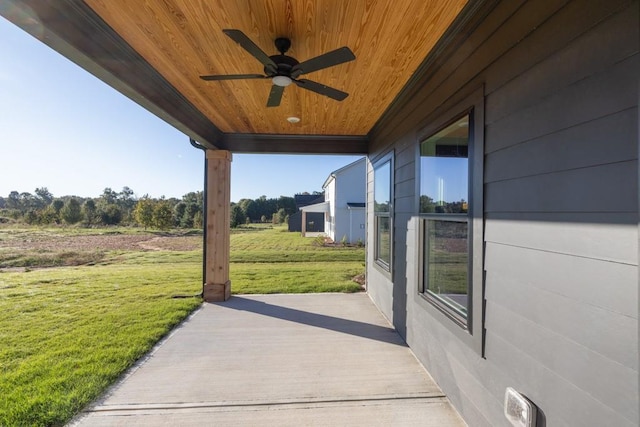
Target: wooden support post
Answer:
pixel 303 226
pixel 217 286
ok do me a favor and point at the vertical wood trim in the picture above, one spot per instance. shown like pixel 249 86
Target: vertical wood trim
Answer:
pixel 217 286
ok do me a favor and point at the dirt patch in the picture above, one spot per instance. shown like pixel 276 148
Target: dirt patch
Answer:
pixel 43 249
pixel 361 280
pixel 172 243
pixel 103 242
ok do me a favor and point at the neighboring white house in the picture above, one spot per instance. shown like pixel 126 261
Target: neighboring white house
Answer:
pixel 345 191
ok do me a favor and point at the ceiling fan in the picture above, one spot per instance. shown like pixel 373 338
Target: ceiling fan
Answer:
pixel 284 70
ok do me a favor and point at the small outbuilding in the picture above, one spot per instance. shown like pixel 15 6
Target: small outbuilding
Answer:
pixel 314 220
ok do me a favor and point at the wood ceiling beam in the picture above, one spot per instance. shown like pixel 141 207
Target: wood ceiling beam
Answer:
pixel 295 144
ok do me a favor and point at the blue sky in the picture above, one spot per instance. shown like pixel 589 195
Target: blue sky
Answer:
pixel 62 128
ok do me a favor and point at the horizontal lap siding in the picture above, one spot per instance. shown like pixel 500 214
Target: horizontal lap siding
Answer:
pixel 532 157
pixel 604 188
pixel 378 285
pixel 561 211
pixel 561 202
pixel 605 236
pixel 593 97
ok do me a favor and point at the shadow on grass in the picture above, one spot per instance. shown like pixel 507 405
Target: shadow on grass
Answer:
pixel 345 326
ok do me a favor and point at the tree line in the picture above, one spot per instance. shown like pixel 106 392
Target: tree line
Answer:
pixel 276 211
pixel 110 208
pixel 123 208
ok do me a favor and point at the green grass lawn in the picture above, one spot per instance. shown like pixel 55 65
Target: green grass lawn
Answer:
pixel 67 333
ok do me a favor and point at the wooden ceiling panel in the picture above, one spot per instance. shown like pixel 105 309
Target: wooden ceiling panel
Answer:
pixel 183 39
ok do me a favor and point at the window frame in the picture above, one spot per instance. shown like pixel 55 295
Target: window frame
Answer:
pixel 378 262
pixel 441 304
pixel 471 330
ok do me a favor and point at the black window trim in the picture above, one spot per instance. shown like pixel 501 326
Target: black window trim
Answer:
pixel 449 311
pixel 380 264
pixel 471 333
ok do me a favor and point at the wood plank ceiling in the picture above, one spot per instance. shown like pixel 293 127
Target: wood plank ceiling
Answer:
pixel 183 39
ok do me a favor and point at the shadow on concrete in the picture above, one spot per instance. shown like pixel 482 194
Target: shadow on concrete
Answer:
pixel 346 326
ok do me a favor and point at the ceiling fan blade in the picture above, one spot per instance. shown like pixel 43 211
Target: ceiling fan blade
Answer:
pixel 246 43
pixel 275 96
pixel 325 60
pixel 332 93
pixel 233 77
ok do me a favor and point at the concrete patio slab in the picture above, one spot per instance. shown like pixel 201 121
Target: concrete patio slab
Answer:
pixel 314 359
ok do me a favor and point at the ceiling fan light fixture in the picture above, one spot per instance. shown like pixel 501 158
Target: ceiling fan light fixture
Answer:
pixel 282 81
pixel 283 70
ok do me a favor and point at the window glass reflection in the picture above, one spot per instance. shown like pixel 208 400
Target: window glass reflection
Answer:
pixel 383 240
pixel 446 263
pixel 382 187
pixel 444 170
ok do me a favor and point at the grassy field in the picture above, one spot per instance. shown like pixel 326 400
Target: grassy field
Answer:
pixel 67 332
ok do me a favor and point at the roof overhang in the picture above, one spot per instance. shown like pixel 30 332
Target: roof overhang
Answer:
pixel 154 51
pixel 318 207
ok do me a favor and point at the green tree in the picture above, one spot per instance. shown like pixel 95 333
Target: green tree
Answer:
pixel 109 196
pixel 162 215
pixel 279 217
pixel 237 216
pixel 251 210
pixel 178 212
pixel 57 205
pixel 48 215
pixel 28 201
pixel 110 214
pixel 13 201
pixel 44 195
pixel 32 217
pixel 198 221
pixel 288 204
pixel 195 197
pixel 71 212
pixel 89 211
pixel 143 212
pixel 189 214
pixel 126 201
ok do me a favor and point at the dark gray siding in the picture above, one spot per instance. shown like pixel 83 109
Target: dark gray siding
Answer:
pixel 561 211
pixel 382 291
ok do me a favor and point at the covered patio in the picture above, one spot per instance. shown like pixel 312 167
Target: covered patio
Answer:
pixel 164 56
pixel 541 99
pixel 321 359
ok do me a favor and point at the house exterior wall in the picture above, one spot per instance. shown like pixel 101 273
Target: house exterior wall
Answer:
pixel 357 220
pixel 347 186
pixel 330 218
pixel 560 319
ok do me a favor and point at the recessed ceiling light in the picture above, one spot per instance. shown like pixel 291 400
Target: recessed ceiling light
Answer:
pixel 293 119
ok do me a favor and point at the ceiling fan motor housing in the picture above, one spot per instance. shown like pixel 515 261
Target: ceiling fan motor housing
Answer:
pixel 285 64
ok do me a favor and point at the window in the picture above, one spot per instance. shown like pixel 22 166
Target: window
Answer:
pixel 450 234
pixel 382 212
pixel 444 195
